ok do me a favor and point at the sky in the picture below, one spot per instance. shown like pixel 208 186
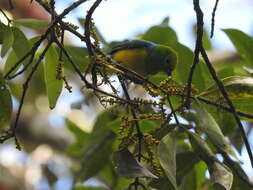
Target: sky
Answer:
pixel 124 19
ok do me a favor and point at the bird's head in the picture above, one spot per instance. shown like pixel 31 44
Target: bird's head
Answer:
pixel 161 59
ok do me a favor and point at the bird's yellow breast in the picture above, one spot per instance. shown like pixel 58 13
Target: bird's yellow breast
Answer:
pixel 133 59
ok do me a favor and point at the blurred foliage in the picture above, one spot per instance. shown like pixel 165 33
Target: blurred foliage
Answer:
pixel 177 157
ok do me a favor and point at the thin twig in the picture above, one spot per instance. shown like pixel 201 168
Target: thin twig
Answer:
pixel 137 127
pixel 7 18
pixel 198 45
pixel 43 37
pixel 213 18
pixel 87 28
pixel 12 130
pixel 221 87
pixel 25 66
pixel 220 106
pixel 230 103
pixel 83 38
pixel 138 130
pixel 88 85
pixel 228 161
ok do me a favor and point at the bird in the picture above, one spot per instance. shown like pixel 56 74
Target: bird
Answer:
pixel 144 57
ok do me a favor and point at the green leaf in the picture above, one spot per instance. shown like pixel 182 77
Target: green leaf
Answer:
pixel 161 184
pixel 8 39
pixel 200 171
pixel 147 126
pixel 98 137
pixel 10 62
pixel 79 56
pixel 185 157
pixel 81 138
pixel 114 125
pixel 13 59
pixel 209 126
pixel 167 157
pixel 109 176
pixel 2 28
pixel 127 166
pixel 157 78
pixel 241 180
pixel 95 159
pixel 53 85
pixel 195 178
pixel 236 86
pixel 100 128
pixel 161 35
pixel 221 176
pixel 165 21
pixel 6 104
pixel 20 45
pixel 227 71
pixel 35 24
pixel 201 148
pixel 201 76
pixel 242 42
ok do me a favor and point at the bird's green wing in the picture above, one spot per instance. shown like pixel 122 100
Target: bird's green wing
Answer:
pixel 134 44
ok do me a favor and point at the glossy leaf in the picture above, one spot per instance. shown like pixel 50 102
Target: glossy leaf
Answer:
pixel 242 42
pixel 240 179
pixel 31 23
pixel 167 157
pixel 236 86
pixel 221 176
pixel 20 45
pixel 201 148
pixel 53 85
pixel 6 104
pixel 10 62
pixel 8 39
pixel 209 126
pixel 13 58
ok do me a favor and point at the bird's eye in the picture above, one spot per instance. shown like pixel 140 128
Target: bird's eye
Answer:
pixel 168 67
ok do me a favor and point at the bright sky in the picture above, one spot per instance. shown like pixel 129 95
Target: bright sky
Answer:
pixel 121 19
